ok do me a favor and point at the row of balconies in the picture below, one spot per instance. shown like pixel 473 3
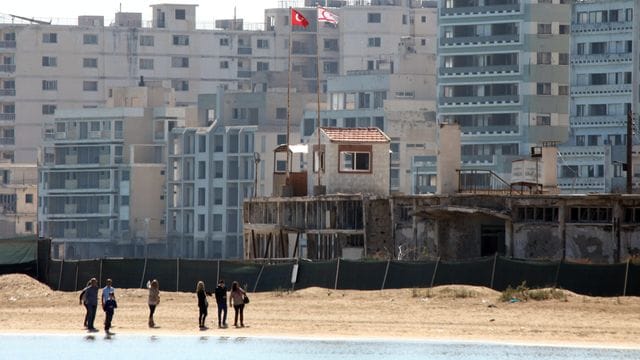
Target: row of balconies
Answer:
pixel 72 184
pixel 8 117
pixel 7 141
pixel 481 70
pixel 7 44
pixel 490 130
pixel 480 100
pixel 598 121
pixel 7 92
pixel 607 89
pixel 104 233
pixel 601 58
pixel 501 10
pixel 90 135
pixel 71 211
pixel 602 27
pixel 481 40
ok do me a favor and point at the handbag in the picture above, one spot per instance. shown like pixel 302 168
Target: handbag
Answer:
pixel 245 299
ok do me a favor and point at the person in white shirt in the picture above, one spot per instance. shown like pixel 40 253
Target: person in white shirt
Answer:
pixel 106 291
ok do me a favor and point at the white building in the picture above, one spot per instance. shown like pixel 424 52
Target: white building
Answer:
pixel 18 200
pixel 503 76
pixel 602 93
pixel 102 175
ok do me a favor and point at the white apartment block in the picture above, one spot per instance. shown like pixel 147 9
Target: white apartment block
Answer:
pixel 18 200
pixel 102 175
pixel 503 69
pixel 602 93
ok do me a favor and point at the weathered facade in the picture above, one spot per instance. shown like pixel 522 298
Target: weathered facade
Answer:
pixel 584 228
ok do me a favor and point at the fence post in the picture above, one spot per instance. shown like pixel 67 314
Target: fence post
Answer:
pixel 218 273
pixel 558 273
pixel 177 274
pixel 626 278
pixel 75 286
pixel 386 271
pixel 60 275
pixel 335 285
pixel 258 279
pixel 435 270
pixel 144 272
pixel 100 274
pixel 493 272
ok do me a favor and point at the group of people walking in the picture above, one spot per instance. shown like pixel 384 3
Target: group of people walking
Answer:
pixel 237 298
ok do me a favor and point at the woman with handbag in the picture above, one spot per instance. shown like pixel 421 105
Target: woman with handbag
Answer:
pixel 237 300
pixel 203 304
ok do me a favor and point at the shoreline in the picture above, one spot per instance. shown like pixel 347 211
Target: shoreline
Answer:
pixel 456 341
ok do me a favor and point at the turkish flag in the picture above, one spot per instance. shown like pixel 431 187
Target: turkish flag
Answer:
pixel 297 19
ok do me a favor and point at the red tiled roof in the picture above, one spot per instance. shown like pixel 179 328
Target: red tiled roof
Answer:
pixel 366 135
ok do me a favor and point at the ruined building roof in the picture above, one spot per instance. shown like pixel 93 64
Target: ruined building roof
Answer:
pixel 365 135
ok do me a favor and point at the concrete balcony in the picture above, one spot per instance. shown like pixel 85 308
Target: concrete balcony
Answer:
pixel 480 70
pixel 7 117
pixel 489 130
pixel 480 40
pixel 478 159
pixel 244 74
pixel 602 27
pixel 71 184
pixel 7 141
pixel 596 152
pixel 244 51
pixel 610 58
pixel 481 100
pixel 597 90
pixel 598 121
pixel 8 68
pixel 499 10
pixel 94 134
pixel 7 44
pixel 70 208
pixel 7 92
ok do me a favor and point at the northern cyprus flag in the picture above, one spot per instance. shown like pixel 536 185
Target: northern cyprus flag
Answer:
pixel 325 15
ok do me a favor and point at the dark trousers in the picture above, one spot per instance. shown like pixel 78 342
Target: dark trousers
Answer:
pixel 203 315
pixel 91 315
pixel 239 309
pixel 86 315
pixel 107 320
pixel 152 309
pixel 222 313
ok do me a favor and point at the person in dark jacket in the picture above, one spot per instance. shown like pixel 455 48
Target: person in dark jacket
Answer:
pixel 83 301
pixel 91 302
pixel 221 300
pixel 109 308
pixel 203 304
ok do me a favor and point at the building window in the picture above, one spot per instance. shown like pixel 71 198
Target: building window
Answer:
pixel 374 18
pixel 281 165
pixel 201 196
pixel 355 161
pixel 49 38
pixel 217 196
pixel 374 42
pixel 146 64
pixel 544 29
pixel 543 120
pixel 181 14
pixel 423 19
pixel 90 62
pixel 50 85
pixel 28 226
pixel 180 62
pixel 202 143
pixel 202 169
pixel 281 113
pixel 563 89
pixel 90 39
pixel 146 40
pixel 281 139
pixel 90 86
pixel 182 40
pixel 217 222
pixel 201 225
pixel 543 89
pixel 262 44
pixel 537 214
pixel 48 109
pixel 331 44
pixel 590 215
pixel 563 59
pixel 224 42
pixel 563 29
pixel 224 64
pixel 218 169
pixel 180 85
pixel 49 61
pixel 330 67
pixel 544 58
pixel 262 66
pixel 28 198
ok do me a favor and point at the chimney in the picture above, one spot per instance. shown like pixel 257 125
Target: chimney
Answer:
pixel 448 159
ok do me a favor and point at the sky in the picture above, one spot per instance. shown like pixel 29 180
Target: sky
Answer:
pixel 67 11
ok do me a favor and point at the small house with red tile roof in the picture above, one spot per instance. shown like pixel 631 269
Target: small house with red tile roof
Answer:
pixel 352 161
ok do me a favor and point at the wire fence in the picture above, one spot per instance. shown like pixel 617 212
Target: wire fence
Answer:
pixel 493 272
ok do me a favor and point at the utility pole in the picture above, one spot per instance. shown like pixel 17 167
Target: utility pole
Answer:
pixel 629 152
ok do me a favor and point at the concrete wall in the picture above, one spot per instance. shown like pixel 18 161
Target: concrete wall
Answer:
pixel 146 200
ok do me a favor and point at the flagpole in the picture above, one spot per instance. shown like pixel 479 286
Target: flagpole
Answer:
pixel 318 94
pixel 289 97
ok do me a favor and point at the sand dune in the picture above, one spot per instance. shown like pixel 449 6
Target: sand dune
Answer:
pixel 445 312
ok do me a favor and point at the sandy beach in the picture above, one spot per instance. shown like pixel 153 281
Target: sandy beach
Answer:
pixel 463 313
